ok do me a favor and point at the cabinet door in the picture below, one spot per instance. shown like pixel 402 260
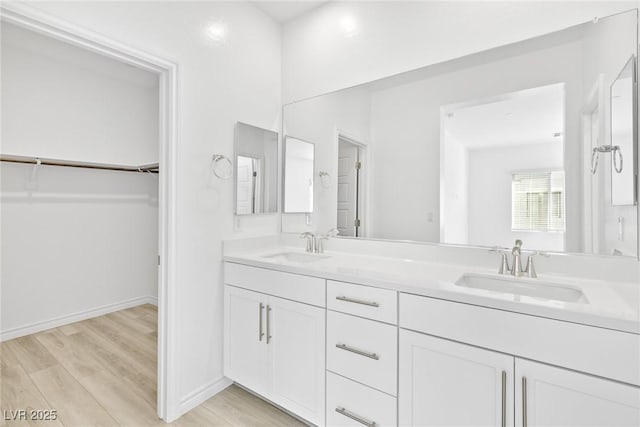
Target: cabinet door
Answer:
pixel 245 349
pixel 558 397
pixel 443 383
pixel 297 358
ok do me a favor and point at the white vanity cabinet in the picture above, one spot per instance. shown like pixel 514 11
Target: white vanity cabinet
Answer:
pixel 275 346
pixel 443 383
pixel 551 396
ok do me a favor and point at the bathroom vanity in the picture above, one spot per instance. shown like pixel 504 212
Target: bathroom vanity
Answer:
pixel 343 339
pixel 522 142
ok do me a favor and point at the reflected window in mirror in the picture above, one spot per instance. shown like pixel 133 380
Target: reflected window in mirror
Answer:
pixel 497 184
pixel 256 159
pixel 299 157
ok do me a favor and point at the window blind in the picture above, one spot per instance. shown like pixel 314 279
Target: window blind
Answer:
pixel 538 201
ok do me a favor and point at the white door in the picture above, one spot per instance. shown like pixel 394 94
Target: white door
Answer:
pixel 245 350
pixel 558 397
pixel 297 358
pixel 348 158
pixel 443 383
pixel 245 196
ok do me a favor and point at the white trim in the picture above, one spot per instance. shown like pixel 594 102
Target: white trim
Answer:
pixel 28 17
pixel 203 394
pixel 75 317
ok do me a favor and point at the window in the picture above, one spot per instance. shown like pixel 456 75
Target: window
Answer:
pixel 537 201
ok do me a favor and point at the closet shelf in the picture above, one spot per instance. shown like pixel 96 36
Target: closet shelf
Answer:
pixel 150 168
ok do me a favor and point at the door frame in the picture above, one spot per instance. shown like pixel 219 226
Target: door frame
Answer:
pixel 363 187
pixel 30 18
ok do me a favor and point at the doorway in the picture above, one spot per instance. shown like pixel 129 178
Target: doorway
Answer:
pixel 166 71
pixel 349 202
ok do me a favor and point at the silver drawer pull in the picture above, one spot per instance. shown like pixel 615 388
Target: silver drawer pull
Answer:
pixel 358 301
pixel 355 417
pixel 356 351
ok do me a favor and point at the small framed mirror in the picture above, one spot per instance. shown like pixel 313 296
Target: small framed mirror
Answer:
pixel 298 175
pixel 256 165
pixel 623 136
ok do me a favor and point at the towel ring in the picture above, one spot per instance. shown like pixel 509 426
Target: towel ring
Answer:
pixel 216 166
pixel 616 154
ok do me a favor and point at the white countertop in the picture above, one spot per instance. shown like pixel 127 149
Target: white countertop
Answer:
pixel 611 305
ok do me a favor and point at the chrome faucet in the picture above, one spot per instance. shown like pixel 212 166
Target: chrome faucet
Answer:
pixel 311 241
pixel 516 263
pixel 314 241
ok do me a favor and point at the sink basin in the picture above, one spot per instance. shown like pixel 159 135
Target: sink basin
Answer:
pixel 296 257
pixel 535 288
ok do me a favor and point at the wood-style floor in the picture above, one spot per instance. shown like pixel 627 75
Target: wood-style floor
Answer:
pixel 102 372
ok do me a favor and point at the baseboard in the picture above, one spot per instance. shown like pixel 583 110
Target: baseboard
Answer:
pixel 203 394
pixel 75 317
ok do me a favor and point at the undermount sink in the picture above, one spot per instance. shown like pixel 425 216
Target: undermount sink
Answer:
pixel 296 257
pixel 524 286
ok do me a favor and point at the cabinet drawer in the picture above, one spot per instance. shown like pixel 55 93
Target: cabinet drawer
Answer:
pixel 363 350
pixel 365 301
pixel 347 400
pixel 306 289
pixel 598 351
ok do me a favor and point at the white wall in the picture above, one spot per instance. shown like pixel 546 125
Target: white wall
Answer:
pixel 75 242
pixel 396 36
pixel 491 168
pixel 219 84
pixel 63 102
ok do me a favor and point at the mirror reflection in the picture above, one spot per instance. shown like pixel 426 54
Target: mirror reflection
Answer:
pixel 481 150
pixel 622 138
pixel 256 165
pixel 298 175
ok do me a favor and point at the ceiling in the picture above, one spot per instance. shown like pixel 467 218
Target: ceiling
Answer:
pixel 525 117
pixel 284 11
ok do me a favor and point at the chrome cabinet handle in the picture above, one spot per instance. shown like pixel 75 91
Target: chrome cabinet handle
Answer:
pixel 268 324
pixel 504 399
pixel 358 301
pixel 260 333
pixel 524 401
pixel 356 351
pixel 355 417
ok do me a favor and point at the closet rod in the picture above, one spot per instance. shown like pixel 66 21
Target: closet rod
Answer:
pixel 152 168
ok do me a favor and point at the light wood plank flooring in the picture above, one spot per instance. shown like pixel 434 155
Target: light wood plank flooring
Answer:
pixel 102 372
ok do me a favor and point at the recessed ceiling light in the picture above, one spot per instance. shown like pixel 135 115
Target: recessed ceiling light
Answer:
pixel 349 25
pixel 216 32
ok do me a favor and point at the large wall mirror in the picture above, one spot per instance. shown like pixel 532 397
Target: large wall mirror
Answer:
pixel 487 148
pixel 256 165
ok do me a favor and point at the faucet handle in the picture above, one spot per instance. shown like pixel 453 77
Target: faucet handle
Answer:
pixel 504 261
pixel 333 232
pixel 530 269
pixel 504 264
